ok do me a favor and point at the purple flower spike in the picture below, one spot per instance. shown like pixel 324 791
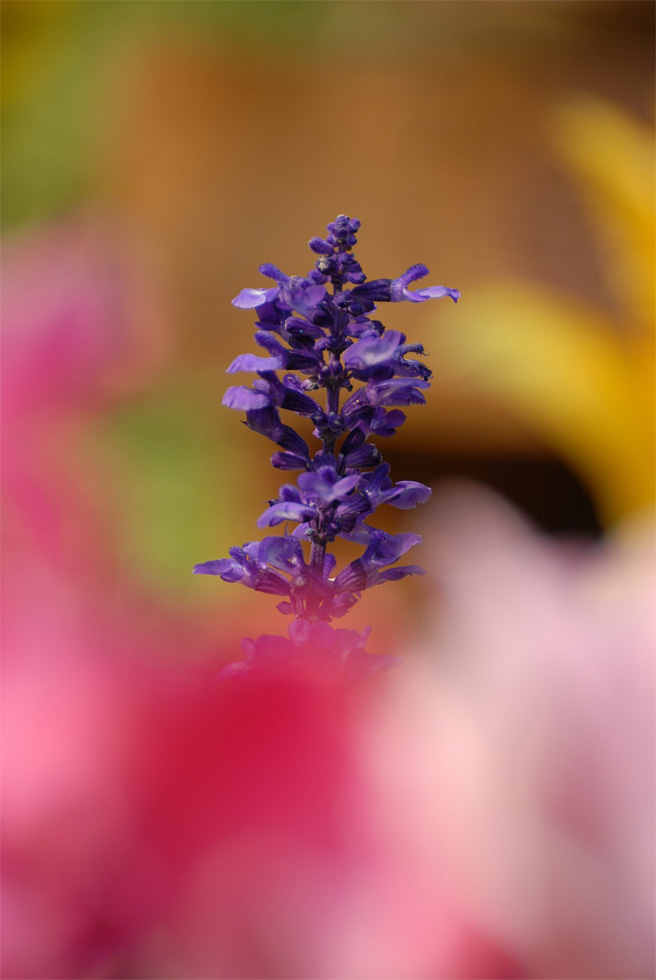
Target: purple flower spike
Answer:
pixel 317 333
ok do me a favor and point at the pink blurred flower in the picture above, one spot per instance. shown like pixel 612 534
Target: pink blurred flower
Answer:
pixel 79 321
pixel 70 346
pixel 76 332
pixel 517 760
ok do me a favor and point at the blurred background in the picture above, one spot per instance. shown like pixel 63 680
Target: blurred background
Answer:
pixel 155 153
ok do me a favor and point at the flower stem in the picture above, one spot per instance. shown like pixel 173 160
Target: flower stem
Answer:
pixel 318 549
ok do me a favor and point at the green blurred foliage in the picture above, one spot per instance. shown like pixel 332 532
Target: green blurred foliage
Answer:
pixel 58 59
pixel 176 498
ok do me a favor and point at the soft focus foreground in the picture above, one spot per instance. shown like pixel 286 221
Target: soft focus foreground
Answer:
pixel 489 812
pixel 484 810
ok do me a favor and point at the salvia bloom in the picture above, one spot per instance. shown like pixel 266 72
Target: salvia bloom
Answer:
pixel 317 332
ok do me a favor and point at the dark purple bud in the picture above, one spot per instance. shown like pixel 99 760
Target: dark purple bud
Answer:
pixel 295 401
pixel 304 360
pixel 293 443
pixel 270 316
pixel 342 230
pixel 266 421
pixel 350 509
pixel 364 456
pixel 379 479
pixel 285 396
pixel 374 291
pixel 288 461
pixel 356 407
pixel 302 328
pixel 386 423
pixel 327 265
pixel 353 578
pixel 324 459
pixel 270 582
pixel 354 439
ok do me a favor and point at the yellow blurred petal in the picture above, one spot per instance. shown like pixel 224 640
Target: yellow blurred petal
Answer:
pixel 612 155
pixel 562 369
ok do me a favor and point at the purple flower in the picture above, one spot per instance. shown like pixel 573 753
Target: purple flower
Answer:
pixel 373 351
pixel 395 290
pixel 254 298
pixel 326 486
pixel 243 566
pixel 251 362
pixel 302 295
pixel 268 390
pixel 382 550
pixel 286 510
pixel 399 287
pixel 246 399
pixel 380 490
pixel 317 334
pixel 381 356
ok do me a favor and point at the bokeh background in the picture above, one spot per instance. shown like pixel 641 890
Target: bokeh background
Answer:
pixel 154 154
